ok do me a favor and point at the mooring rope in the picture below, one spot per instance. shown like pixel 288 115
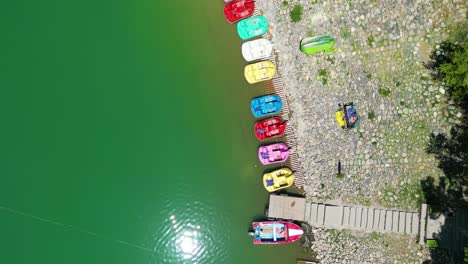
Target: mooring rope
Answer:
pixel 74 228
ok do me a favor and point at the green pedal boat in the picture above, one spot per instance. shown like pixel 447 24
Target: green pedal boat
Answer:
pixel 316 44
pixel 252 27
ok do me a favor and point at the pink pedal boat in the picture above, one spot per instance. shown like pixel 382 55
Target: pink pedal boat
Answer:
pixel 273 153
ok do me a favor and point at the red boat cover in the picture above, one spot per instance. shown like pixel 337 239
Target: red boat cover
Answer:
pixel 237 10
pixel 269 128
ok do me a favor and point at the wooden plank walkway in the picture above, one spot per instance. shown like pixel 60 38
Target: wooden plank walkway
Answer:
pixel 276 86
pixel 355 217
pixel 367 218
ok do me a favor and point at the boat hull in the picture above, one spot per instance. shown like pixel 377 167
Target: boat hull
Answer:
pixel 276 232
pixel 273 153
pixel 256 49
pixel 238 10
pixel 316 44
pixel 347 116
pixel 279 179
pixel 252 27
pixel 269 128
pixel 266 105
pixel 260 71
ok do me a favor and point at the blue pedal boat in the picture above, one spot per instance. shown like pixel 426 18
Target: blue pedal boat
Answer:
pixel 266 105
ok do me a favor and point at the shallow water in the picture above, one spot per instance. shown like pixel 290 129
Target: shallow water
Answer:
pixel 126 135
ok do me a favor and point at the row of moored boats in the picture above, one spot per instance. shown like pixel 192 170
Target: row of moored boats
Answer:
pixel 248 27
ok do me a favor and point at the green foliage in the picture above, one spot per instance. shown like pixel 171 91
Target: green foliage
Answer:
pixel 296 13
pixel 310 33
pixel 449 63
pixel 374 236
pixel 370 40
pixel 371 115
pixel 285 3
pixel 442 54
pixel 330 59
pixel 323 76
pixel 456 71
pixel 384 92
pixel 345 33
pixel 432 243
pixel 340 175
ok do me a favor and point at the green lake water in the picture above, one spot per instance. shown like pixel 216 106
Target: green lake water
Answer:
pixel 126 135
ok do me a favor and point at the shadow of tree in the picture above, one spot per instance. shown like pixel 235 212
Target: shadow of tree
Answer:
pixel 447 195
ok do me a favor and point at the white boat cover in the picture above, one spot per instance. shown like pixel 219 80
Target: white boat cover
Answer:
pixel 295 232
pixel 256 49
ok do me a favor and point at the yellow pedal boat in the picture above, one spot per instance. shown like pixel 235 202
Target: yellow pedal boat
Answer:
pixel 260 71
pixel 278 179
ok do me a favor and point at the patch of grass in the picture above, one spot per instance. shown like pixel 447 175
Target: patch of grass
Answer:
pixel 285 3
pixel 333 232
pixel 310 33
pixel 406 195
pixel 384 92
pixel 369 76
pixel 296 13
pixel 345 33
pixel 371 115
pixel 397 84
pixel 323 76
pixel 322 185
pixel 330 59
pixel 370 40
pixel 340 175
pixel 374 236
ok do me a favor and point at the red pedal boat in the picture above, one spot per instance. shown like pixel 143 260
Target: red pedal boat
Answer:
pixel 269 128
pixel 239 9
pixel 275 232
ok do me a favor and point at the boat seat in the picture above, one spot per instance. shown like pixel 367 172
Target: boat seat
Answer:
pixel 281 179
pixel 269 182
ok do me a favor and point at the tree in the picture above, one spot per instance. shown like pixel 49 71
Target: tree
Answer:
pixel 449 63
pixel 456 71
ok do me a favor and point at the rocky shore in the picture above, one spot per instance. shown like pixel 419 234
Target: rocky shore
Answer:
pixel 379 66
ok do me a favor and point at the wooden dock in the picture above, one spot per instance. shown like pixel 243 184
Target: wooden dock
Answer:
pixel 276 86
pixel 305 262
pixel 338 216
pixel 286 207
